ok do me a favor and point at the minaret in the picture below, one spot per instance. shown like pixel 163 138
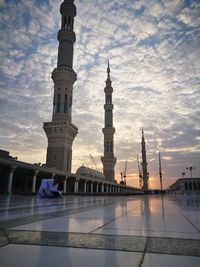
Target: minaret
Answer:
pixel 145 174
pixel 60 131
pixel 108 160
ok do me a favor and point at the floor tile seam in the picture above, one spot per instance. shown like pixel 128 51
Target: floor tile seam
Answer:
pixel 143 253
pixel 163 237
pixel 73 233
pixel 55 244
pixel 179 239
pixel 148 248
pixel 114 219
pixel 72 246
pixel 187 219
pixel 134 229
pixel 105 249
pixel 6 236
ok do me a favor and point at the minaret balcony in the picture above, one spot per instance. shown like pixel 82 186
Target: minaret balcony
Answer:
pixel 66 35
pixel 108 106
pixel 64 73
pixel 108 90
pixel 58 131
pixel 108 131
pixel 109 161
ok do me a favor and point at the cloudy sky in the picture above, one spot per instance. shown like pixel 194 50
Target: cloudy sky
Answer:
pixel 154 52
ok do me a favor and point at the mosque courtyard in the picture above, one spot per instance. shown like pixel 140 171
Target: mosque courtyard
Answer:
pixel 98 231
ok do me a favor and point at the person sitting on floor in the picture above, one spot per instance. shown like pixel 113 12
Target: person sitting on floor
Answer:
pixel 49 189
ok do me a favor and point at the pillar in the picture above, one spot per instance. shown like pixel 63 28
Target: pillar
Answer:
pixel 85 186
pixel 97 188
pixel 65 185
pixel 34 181
pixel 10 179
pixel 76 186
pixel 102 188
pixel 92 187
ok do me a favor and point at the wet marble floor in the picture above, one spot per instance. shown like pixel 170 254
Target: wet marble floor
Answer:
pixel 111 231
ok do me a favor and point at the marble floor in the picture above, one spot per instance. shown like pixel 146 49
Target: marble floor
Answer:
pixel 137 231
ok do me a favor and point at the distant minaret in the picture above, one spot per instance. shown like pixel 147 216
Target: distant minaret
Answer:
pixel 108 160
pixel 145 174
pixel 60 131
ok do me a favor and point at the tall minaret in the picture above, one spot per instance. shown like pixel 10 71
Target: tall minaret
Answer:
pixel 108 160
pixel 145 174
pixel 60 131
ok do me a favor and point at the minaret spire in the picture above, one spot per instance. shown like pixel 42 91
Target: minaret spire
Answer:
pixel 108 160
pixel 108 72
pixel 145 174
pixel 60 131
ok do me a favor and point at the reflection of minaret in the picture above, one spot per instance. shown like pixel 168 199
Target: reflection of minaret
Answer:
pixel 145 174
pixel 108 159
pixel 160 173
pixel 60 131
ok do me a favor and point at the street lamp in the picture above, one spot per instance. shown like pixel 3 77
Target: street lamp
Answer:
pixel 183 174
pixel 190 169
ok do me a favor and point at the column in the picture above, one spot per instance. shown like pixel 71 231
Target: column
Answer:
pixel 10 179
pixel 85 186
pixel 97 188
pixel 92 187
pixel 102 188
pixel 65 185
pixel 76 186
pixel 34 181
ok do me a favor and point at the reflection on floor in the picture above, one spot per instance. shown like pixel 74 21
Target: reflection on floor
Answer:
pixel 105 231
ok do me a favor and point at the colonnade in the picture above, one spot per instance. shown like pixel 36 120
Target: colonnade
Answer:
pixel 185 186
pixel 79 184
